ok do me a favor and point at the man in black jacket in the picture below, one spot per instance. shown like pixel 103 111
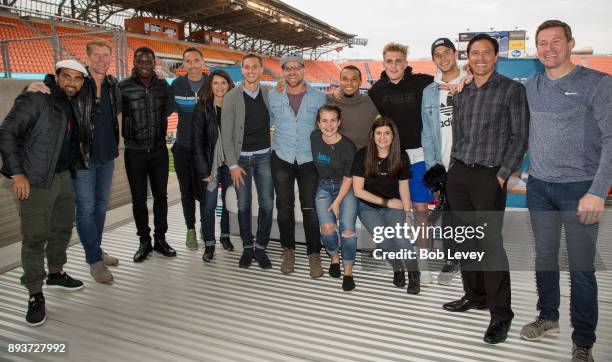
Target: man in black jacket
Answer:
pixel 147 103
pixel 98 138
pixel 38 150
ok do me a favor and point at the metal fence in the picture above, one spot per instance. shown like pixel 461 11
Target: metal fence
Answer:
pixel 54 42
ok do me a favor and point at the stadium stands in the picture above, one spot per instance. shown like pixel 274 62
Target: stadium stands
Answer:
pixel 36 56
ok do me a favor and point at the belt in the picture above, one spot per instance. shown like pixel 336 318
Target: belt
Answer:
pixel 473 165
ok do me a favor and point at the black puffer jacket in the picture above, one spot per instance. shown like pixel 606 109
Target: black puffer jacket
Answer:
pixel 86 101
pixel 32 135
pixel 204 134
pixel 145 112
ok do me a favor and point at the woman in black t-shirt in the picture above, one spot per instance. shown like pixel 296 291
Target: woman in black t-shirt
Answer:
pixel 380 181
pixel 334 201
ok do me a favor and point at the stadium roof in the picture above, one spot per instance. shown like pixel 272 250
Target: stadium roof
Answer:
pixel 269 20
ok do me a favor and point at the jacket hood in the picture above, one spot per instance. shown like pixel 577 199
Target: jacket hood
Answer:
pixel 56 91
pixel 438 77
pixel 385 77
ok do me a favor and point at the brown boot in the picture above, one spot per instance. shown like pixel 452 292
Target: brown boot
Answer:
pixel 100 273
pixel 314 261
pixel 287 265
pixel 109 260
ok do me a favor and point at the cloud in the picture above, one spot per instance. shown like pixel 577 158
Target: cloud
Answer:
pixel 418 23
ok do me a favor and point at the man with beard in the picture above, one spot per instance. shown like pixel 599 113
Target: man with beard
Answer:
pixel 38 148
pixel 98 139
pixel 147 103
pixel 293 113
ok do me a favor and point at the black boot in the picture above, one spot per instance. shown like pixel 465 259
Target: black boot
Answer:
pixel 227 243
pixel 399 279
pixel 209 253
pixel 162 247
pixel 414 282
pixel 143 252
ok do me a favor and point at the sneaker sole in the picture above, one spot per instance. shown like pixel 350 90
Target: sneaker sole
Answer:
pixel 160 253
pixel 541 336
pixel 37 323
pixel 65 288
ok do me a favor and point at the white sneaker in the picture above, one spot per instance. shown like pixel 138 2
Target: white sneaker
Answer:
pixel 426 277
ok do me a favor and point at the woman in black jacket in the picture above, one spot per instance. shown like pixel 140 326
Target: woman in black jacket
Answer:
pixel 208 158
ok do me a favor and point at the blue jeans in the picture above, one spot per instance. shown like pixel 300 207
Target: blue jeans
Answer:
pixel 257 167
pixel 91 193
pixel 372 217
pixel 550 206
pixel 327 191
pixel 208 205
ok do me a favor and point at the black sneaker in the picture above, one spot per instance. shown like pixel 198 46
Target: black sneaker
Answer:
pixel 62 280
pixel 247 258
pixel 262 258
pixel 348 283
pixel 334 270
pixel 399 279
pixel 36 310
pixel 414 282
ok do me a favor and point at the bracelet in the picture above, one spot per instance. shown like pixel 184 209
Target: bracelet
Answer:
pixel 385 202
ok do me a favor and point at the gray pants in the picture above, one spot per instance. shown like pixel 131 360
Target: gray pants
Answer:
pixel 46 226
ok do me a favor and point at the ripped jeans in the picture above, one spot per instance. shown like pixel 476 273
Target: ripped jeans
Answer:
pixel 327 191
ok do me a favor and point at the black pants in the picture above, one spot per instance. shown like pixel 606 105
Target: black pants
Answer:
pixel 475 198
pixel 153 165
pixel 284 175
pixel 190 188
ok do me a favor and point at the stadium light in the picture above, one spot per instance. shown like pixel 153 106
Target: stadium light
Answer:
pixel 236 7
pixel 299 30
pixel 272 20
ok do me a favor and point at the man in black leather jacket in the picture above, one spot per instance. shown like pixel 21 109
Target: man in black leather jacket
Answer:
pixel 98 139
pixel 38 148
pixel 147 101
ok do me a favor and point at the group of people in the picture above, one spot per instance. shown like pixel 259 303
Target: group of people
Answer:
pixel 352 155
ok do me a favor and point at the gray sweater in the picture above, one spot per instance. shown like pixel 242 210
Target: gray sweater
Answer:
pixel 232 122
pixel 570 130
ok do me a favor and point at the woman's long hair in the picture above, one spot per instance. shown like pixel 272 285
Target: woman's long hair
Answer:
pixel 206 94
pixel 394 159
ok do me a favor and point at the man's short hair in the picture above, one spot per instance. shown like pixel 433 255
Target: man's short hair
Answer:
pixel 352 67
pixel 251 55
pixel 192 49
pixel 97 43
pixel 396 47
pixel 484 36
pixel 144 50
pixel 554 24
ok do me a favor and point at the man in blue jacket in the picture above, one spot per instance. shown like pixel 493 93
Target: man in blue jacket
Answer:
pixel 437 133
pixel 293 113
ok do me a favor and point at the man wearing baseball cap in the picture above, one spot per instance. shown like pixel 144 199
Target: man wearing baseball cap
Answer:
pixel 293 113
pixel 38 148
pixel 437 133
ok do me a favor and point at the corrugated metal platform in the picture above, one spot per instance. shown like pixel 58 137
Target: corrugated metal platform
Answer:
pixel 182 309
